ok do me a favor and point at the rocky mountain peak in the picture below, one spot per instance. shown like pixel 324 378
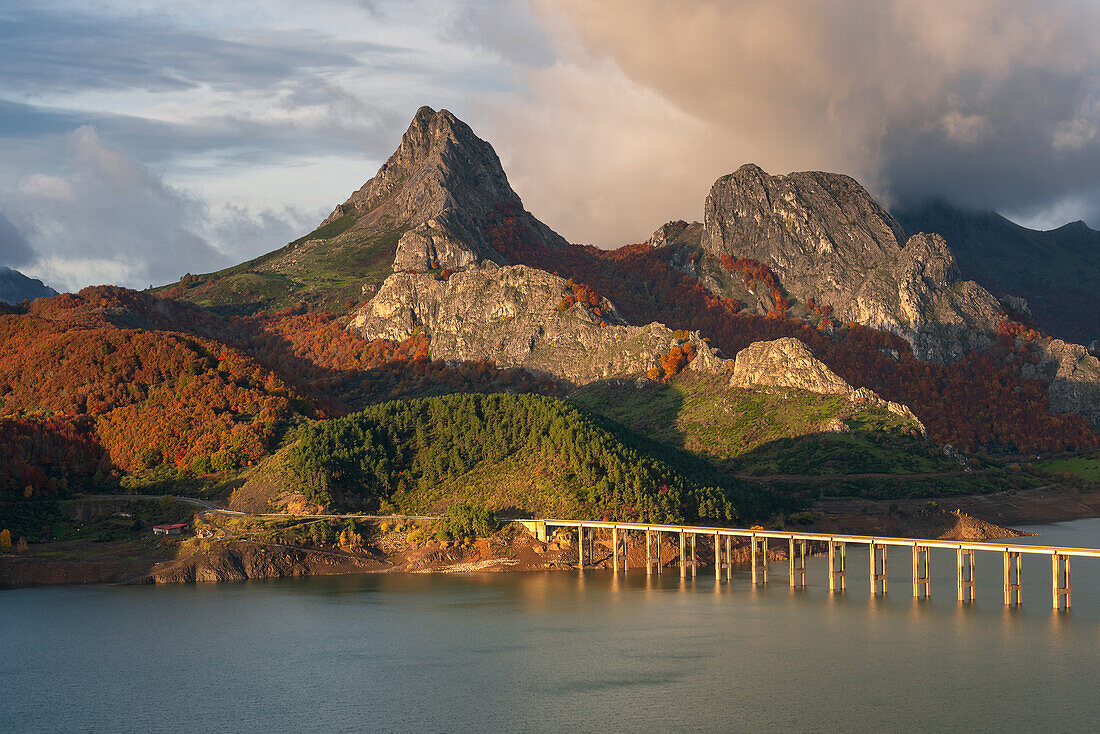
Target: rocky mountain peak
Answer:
pixel 809 227
pixel 825 237
pixel 441 187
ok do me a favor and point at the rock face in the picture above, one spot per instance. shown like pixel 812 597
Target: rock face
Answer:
pixel 1056 271
pixel 517 316
pixel 677 233
pixel 920 296
pixel 16 287
pixel 1073 375
pixel 825 237
pixel 788 363
pixel 442 186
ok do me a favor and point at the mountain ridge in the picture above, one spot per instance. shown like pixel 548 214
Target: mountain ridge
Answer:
pixel 15 287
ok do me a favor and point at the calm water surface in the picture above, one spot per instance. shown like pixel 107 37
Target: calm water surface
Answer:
pixel 539 652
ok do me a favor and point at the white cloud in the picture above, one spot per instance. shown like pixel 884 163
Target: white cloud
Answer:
pixel 109 219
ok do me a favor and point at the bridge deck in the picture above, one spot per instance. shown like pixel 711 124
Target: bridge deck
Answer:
pixel 999 547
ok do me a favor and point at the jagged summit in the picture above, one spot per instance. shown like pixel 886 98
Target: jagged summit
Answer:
pixel 442 186
pixel 826 238
pixel 432 206
pixel 439 164
pixel 800 224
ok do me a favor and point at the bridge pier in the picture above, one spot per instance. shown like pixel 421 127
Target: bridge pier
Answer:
pixel 965 574
pixel 683 555
pixel 878 577
pixel 1014 592
pixel 580 547
pixel 648 553
pixel 729 561
pixel 1060 588
pixel 838 565
pixel 615 550
pixel 717 559
pixel 694 565
pixel 759 560
pixel 922 579
pixel 796 562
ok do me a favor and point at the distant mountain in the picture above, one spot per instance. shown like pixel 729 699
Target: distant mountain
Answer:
pixel 16 287
pixel 1056 271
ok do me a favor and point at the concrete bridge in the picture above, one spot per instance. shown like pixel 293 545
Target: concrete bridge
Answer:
pixel 836 546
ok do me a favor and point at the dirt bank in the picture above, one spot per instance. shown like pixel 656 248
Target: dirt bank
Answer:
pixel 79 563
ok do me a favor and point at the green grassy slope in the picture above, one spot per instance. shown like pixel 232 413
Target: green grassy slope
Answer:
pixel 322 270
pixel 756 432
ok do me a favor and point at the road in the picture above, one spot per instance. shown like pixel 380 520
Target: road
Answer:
pixel 211 507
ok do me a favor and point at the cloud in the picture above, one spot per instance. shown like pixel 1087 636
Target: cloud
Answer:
pixel 980 102
pixel 143 52
pixel 108 218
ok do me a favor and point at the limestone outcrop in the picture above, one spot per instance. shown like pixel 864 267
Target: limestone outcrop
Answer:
pixel 788 363
pixel 825 237
pixel 517 316
pixel 1073 375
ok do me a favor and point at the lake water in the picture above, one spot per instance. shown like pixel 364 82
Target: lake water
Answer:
pixel 558 651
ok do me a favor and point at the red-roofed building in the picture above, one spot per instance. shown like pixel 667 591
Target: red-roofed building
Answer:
pixel 173 529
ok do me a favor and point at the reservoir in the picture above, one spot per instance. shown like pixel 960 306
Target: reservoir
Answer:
pixel 559 651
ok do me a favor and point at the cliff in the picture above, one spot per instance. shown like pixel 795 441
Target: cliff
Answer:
pixel 517 316
pixel 825 237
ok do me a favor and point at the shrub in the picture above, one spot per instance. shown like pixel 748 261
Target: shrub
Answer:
pixel 466 521
pixel 202 465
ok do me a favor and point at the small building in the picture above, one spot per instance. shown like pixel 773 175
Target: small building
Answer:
pixel 173 529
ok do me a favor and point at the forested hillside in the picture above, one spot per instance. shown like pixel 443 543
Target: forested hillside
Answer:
pixel 418 454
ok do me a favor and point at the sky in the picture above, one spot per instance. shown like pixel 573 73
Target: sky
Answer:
pixel 145 139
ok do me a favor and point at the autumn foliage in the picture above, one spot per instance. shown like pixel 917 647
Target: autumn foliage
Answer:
pixel 981 401
pixel 156 381
pixel 42 457
pixel 753 273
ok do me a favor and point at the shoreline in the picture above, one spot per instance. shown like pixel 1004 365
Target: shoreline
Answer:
pixel 972 517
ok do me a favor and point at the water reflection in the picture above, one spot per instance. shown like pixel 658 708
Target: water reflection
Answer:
pixel 548 650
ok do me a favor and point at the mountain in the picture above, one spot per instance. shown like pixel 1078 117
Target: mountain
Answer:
pixel 795 331
pixel 429 207
pixel 16 287
pixel 799 250
pixel 827 240
pixel 1056 271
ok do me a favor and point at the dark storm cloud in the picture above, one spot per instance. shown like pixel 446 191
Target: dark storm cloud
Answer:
pixel 989 103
